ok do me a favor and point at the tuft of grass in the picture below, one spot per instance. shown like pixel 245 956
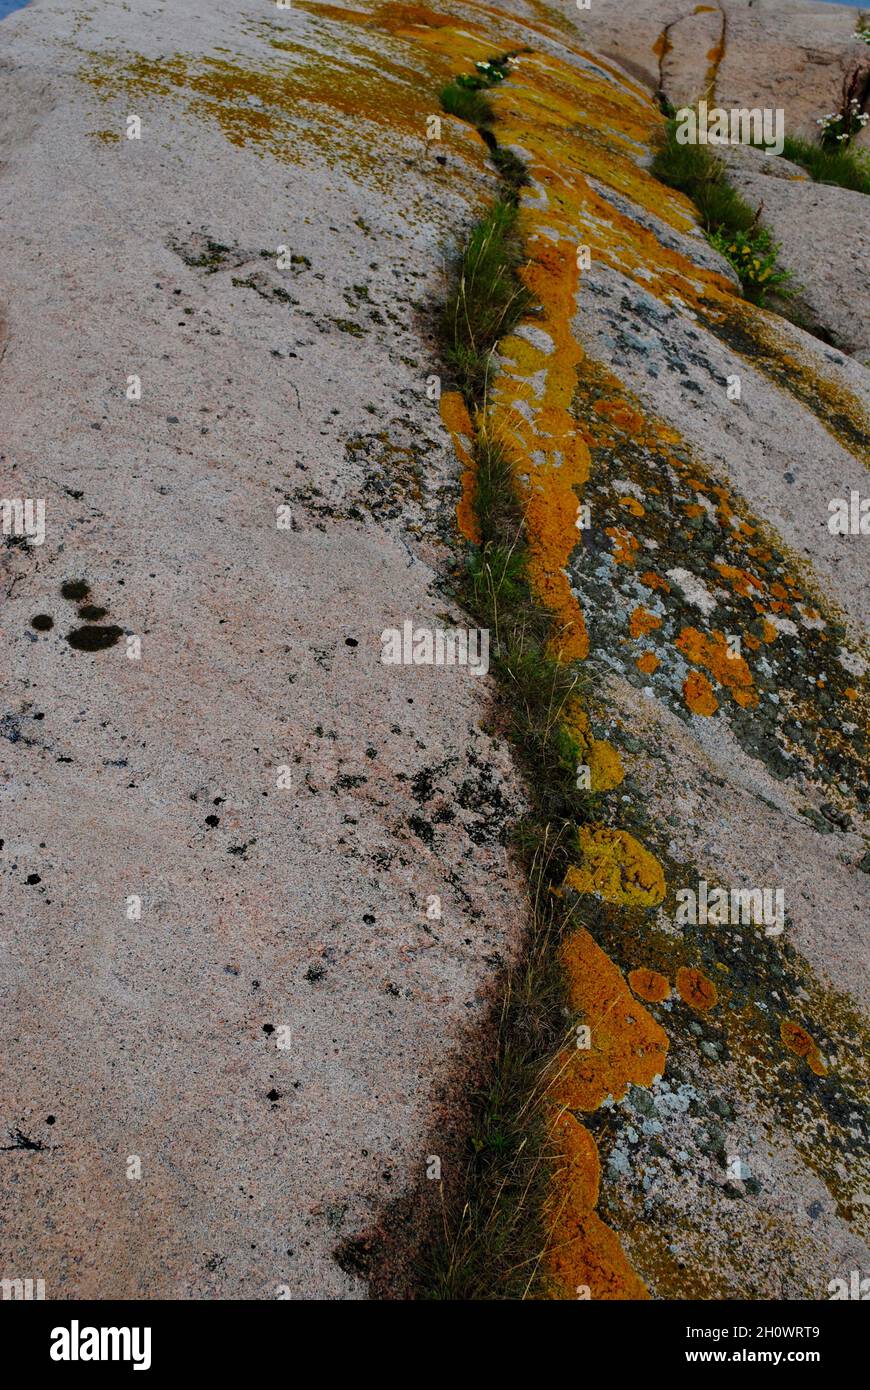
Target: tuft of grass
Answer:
pixel 695 171
pixel 468 103
pixel 488 298
pixel 492 1242
pixel 847 168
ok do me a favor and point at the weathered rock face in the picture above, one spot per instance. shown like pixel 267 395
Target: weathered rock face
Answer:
pixel 714 1139
pixel 262 909
pixel 788 54
pixel 824 241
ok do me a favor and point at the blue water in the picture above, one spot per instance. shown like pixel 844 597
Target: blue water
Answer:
pixel 7 6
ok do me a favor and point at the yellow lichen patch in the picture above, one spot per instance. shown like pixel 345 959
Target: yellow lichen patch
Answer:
pixel 585 1258
pixel 616 867
pixel 631 504
pixel 714 654
pixel 627 1046
pixel 649 985
pixel 458 422
pixel 696 990
pixel 798 1041
pixel 602 759
pixel 641 621
pixel 106 137
pixel 698 694
pixel 648 663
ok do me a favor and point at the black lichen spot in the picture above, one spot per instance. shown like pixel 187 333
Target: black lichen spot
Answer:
pixel 93 639
pixel 42 622
pixel 49 1119
pixel 75 590
pixel 268 1028
pixel 212 821
pixel 92 612
pixel 33 879
pixel 23 1141
pixel 315 973
pixel 273 1095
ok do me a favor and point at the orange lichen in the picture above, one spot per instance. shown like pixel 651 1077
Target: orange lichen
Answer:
pixel 616 867
pixel 714 654
pixel 625 545
pixel 649 985
pixel 458 422
pixel 622 414
pixel 798 1041
pixel 698 694
pixel 642 621
pixel 626 1045
pixel 586 1259
pixel 654 581
pixel 647 662
pixel 696 990
pixel 740 580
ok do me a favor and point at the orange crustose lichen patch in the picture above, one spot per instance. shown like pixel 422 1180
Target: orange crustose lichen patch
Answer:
pixel 627 1046
pixel 698 694
pixel 649 985
pixel 654 581
pixel 695 989
pixel 713 653
pixel 648 662
pixel 625 545
pixel 586 1259
pixel 642 621
pixel 798 1040
pixel 458 422
pixel 616 867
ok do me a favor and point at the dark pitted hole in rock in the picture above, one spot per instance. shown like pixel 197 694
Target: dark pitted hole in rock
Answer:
pixel 75 590
pixel 93 639
pixel 91 613
pixel 42 622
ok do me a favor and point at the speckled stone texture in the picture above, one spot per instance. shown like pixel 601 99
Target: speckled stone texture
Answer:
pixel 261 908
